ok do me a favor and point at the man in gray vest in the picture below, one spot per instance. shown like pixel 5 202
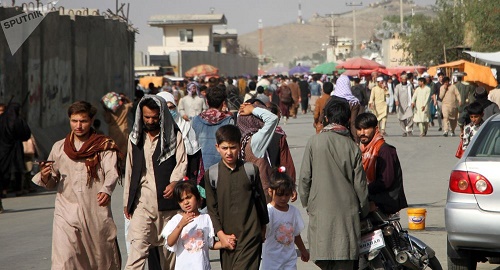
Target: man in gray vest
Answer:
pixel 156 160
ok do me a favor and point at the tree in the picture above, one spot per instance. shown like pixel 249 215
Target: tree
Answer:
pixel 473 23
pixel 430 36
pixel 483 17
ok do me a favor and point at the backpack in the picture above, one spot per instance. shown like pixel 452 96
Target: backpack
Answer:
pixel 213 173
pixel 261 207
pixel 286 94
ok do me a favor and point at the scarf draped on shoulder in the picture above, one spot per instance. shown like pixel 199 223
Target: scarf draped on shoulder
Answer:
pixel 370 154
pixel 339 129
pixel 214 116
pixel 90 150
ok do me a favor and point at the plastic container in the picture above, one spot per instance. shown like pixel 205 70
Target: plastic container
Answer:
pixel 416 218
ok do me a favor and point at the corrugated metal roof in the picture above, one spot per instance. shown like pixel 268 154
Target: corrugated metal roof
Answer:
pixel 170 19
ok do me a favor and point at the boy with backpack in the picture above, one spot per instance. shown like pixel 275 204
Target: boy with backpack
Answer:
pixel 236 203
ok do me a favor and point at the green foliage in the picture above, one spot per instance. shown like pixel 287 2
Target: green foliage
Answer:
pixel 458 23
pixel 484 17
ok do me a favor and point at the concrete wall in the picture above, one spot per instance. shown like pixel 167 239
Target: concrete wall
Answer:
pixel 228 64
pixel 65 60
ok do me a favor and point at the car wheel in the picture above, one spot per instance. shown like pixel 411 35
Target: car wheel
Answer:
pixel 462 263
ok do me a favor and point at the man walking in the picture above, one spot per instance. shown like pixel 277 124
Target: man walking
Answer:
pixel 83 168
pixel 378 104
pixel 305 93
pixel 359 91
pixel 320 105
pixel 156 160
pixel 402 96
pixel 335 196
pixel 294 86
pixel 206 124
pixel 438 103
pixel 192 104
pixel 451 101
pixel 315 89
pixel 466 91
pixel 420 103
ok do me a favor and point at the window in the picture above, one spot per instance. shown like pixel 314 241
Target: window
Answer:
pixel 186 35
pixel 488 142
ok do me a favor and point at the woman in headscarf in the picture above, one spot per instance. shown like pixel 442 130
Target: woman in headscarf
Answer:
pixel 257 126
pixel 343 90
pixel 192 146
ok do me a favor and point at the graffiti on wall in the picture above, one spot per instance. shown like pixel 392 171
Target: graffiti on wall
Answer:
pixel 34 90
pixel 56 91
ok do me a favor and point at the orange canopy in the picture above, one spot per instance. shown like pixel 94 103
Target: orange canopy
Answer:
pixel 475 72
pixel 157 81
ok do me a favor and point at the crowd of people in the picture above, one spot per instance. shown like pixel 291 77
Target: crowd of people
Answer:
pixel 206 165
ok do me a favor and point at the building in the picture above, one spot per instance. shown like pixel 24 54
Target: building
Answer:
pixel 193 39
pixel 343 48
pixel 392 52
pixel 189 32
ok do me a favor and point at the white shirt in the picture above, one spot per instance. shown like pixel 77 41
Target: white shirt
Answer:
pixel 279 248
pixel 191 249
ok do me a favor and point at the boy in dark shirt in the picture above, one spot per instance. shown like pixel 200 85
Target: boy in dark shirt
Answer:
pixel 232 205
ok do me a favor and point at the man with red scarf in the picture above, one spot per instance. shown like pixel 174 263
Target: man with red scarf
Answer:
pixel 381 164
pixel 83 168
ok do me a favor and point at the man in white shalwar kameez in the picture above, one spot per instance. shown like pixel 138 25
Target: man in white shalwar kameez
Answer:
pixel 420 103
pixel 403 95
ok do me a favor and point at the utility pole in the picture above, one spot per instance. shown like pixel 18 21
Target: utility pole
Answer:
pixel 332 42
pixel 401 14
pixel 261 49
pixel 353 5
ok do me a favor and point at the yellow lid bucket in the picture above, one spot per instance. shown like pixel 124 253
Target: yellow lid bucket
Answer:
pixel 416 218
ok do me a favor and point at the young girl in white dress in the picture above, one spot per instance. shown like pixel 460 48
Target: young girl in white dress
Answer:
pixel 189 233
pixel 284 227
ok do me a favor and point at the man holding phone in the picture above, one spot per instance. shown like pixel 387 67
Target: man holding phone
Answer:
pixel 83 168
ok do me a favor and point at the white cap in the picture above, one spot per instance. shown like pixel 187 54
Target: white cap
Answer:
pixel 426 75
pixel 380 79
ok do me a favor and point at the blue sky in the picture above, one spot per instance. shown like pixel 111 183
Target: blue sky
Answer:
pixel 241 15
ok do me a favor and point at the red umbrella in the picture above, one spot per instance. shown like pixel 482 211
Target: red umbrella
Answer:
pixel 399 70
pixel 365 72
pixel 359 63
pixel 202 70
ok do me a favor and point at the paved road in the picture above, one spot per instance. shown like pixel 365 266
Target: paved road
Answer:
pixel 26 225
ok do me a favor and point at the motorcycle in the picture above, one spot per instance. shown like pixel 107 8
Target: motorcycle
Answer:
pixel 385 245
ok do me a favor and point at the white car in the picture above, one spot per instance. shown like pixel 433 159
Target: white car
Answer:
pixel 472 211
